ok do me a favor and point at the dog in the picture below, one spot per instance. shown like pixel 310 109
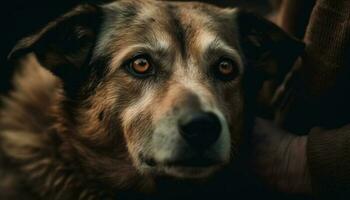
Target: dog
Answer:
pixel 132 99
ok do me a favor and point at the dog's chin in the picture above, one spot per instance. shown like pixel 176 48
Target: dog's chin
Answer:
pixel 186 172
pixel 180 172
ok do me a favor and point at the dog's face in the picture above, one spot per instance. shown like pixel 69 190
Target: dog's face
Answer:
pixel 180 75
pixel 162 82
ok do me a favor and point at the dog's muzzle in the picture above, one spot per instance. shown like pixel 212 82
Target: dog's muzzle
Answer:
pixel 193 145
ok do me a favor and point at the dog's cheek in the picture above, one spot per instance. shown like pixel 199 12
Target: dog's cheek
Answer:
pixel 234 111
pixel 98 123
pixel 136 120
pixel 138 133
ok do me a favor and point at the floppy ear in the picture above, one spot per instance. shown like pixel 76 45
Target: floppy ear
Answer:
pixel 267 47
pixel 269 53
pixel 64 45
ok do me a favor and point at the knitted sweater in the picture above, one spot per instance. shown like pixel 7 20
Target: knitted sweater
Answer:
pixel 322 99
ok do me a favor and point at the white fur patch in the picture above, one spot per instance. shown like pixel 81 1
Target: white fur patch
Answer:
pixel 132 111
pixel 205 39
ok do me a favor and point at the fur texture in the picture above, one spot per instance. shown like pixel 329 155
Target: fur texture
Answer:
pixel 79 125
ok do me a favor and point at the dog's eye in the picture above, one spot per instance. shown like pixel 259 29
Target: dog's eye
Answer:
pixel 140 66
pixel 226 70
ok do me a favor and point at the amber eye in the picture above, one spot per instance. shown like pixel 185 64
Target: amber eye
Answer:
pixel 140 66
pixel 226 67
pixel 226 70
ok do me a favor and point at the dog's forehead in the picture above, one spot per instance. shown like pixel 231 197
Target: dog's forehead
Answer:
pixel 166 26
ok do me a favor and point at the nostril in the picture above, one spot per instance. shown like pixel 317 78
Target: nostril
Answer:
pixel 200 129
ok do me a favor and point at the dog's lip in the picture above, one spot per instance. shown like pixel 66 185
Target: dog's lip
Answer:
pixel 195 168
pixel 197 162
pixel 194 162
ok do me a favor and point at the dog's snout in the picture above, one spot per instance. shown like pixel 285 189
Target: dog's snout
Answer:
pixel 200 129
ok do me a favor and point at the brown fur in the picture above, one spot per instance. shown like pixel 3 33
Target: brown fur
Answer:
pixel 73 125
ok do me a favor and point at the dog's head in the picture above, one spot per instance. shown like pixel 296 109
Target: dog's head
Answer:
pixel 166 83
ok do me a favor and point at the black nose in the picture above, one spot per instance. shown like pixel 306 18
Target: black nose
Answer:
pixel 200 129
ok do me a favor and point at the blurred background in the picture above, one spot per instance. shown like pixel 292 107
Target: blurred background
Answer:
pixel 19 18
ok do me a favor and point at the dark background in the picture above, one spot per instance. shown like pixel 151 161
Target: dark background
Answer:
pixel 19 18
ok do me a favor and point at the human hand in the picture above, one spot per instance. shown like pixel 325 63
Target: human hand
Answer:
pixel 279 158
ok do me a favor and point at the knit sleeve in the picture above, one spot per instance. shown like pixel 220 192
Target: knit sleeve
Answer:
pixel 327 44
pixel 328 155
pixel 327 50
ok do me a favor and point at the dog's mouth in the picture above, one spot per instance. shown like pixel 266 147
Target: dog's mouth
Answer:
pixel 198 167
pixel 194 162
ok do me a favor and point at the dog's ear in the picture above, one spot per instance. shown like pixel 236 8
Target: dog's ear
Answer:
pixel 269 53
pixel 266 47
pixel 64 45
